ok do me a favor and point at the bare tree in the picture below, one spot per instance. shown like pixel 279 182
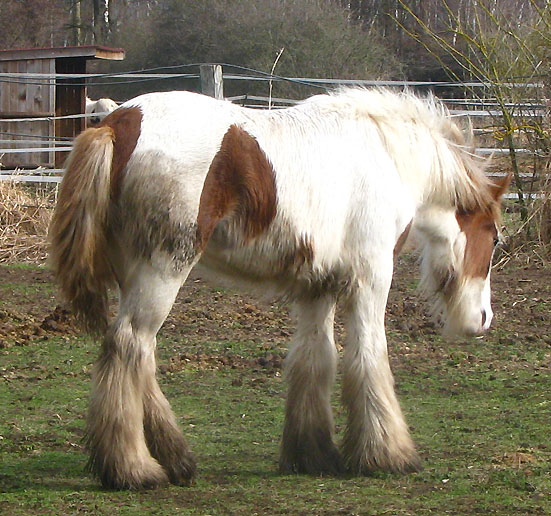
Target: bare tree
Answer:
pixel 100 20
pixel 32 23
pixel 486 42
pixel 76 21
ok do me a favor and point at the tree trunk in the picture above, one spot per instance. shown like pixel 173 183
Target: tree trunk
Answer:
pixel 101 20
pixel 76 22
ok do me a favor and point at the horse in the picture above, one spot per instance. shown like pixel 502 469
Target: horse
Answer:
pixel 101 108
pixel 311 203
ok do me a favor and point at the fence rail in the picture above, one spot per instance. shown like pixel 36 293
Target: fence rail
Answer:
pixel 265 77
pixel 28 143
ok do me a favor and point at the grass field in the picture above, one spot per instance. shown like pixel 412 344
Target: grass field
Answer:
pixel 479 410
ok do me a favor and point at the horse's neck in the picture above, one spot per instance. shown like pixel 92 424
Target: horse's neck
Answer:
pixel 439 234
pixel 437 223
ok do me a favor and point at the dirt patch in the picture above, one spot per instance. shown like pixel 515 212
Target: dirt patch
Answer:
pixel 515 460
pixel 204 314
pixel 28 309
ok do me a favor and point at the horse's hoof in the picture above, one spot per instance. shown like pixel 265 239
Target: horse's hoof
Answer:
pixel 329 463
pixel 171 450
pixel 414 465
pixel 308 468
pixel 182 472
pixel 401 466
pixel 134 482
pixel 134 476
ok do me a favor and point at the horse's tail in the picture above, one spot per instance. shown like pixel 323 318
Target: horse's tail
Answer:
pixel 78 244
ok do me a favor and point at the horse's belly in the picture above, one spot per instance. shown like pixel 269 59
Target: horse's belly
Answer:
pixel 252 262
pixel 275 263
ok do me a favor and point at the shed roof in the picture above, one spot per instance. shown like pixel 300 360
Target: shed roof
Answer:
pixel 86 51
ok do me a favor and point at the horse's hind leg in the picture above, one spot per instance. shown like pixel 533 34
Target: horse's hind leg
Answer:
pixel 164 439
pixel 376 436
pixel 307 444
pixel 126 406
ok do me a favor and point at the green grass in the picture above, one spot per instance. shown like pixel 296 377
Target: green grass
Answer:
pixel 25 266
pixel 27 289
pixel 465 422
pixel 480 412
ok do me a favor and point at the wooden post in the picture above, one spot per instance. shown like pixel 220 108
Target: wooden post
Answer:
pixel 211 81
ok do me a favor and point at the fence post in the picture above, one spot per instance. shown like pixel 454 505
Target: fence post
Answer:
pixel 211 81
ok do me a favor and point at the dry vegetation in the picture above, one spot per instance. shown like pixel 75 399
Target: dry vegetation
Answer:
pixel 25 213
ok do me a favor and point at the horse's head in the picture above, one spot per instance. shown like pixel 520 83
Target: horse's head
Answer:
pixel 100 108
pixel 456 262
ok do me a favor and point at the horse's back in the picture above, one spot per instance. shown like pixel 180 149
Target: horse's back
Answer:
pixel 182 126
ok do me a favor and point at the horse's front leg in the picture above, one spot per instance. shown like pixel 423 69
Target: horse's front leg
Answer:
pixel 377 436
pixel 131 432
pixel 307 444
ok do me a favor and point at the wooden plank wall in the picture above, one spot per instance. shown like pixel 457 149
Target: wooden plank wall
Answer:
pixel 27 99
pixel 70 100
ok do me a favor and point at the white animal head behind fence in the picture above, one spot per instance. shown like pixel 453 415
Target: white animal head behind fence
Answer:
pixel 101 108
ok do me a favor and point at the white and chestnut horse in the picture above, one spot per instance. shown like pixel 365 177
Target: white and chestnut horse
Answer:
pixel 313 203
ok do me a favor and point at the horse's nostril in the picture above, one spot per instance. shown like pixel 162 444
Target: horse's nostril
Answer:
pixel 483 317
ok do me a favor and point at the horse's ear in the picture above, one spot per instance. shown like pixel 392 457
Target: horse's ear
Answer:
pixel 500 186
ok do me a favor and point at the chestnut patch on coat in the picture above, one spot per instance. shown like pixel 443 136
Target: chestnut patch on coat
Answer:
pixel 126 125
pixel 480 229
pixel 241 183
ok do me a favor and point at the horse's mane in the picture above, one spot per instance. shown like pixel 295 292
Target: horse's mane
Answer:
pixel 406 122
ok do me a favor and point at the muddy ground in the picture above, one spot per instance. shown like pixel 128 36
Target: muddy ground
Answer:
pixel 203 313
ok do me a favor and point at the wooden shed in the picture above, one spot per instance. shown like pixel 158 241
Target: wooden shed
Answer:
pixel 24 98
